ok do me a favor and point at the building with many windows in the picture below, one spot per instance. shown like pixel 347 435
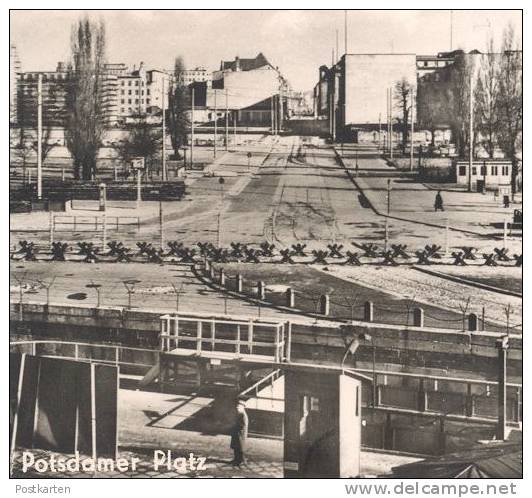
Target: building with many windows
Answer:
pixel 14 74
pixel 125 94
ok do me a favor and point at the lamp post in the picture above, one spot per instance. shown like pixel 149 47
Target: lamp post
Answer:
pixel 502 346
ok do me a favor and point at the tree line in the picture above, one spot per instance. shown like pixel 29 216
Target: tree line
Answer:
pixel 84 113
pixel 495 79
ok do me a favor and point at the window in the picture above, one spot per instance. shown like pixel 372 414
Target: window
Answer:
pixel 122 82
pixel 137 83
pixel 483 170
pixel 148 91
pixel 474 171
pixel 129 101
pixel 425 63
pixel 136 92
pixel 129 92
pixel 129 83
pixel 136 101
pixel 494 171
pixel 122 110
pixel 122 92
pixel 148 101
pixel 122 101
pixel 505 170
pixel 461 170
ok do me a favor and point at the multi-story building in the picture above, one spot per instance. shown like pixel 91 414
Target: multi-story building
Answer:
pixel 125 94
pixel 427 64
pixel 14 72
pixel 253 90
pixel 352 93
pixel 54 94
pixel 197 75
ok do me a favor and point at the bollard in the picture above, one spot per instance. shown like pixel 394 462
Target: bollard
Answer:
pixel 368 311
pixel 102 196
pixel 505 234
pixel 104 232
pixel 290 297
pixel 51 226
pixel 211 272
pixel 222 277
pixel 324 304
pixel 239 282
pixel 419 317
pixel 472 322
pixel 261 290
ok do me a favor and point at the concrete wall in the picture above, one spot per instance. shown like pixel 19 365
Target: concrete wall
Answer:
pixel 367 78
pixel 427 350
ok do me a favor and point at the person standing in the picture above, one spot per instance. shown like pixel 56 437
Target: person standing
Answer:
pixel 239 433
pixel 438 202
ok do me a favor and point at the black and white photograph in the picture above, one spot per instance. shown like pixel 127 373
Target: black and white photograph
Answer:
pixel 266 244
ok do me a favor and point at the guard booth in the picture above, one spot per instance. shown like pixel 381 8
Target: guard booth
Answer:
pixel 322 422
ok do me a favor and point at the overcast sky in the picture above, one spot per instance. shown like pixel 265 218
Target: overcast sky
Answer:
pixel 296 41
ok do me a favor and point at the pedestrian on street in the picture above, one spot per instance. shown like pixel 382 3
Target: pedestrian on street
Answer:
pixel 239 433
pixel 438 202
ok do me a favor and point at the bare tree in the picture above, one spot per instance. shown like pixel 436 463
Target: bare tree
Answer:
pixel 509 102
pixel 486 96
pixel 178 104
pixel 143 140
pixel 402 91
pixel 84 124
pixel 458 102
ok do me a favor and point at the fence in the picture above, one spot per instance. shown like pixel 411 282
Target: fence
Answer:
pixel 95 223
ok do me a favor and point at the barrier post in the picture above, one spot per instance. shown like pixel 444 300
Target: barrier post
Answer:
pixel 368 311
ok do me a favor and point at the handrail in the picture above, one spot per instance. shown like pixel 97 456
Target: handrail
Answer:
pixel 75 343
pixel 441 378
pixel 271 376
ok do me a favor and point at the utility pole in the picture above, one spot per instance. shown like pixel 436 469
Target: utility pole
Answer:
pixel 271 111
pixel 391 125
pixel 161 223
pixel 215 123
pixel 226 120
pixel 192 131
pixel 337 50
pixel 379 130
pixel 471 141
pixel 234 127
pixel 39 137
pixel 345 31
pixel 164 136
pixel 281 107
pixel 138 188
pixel 388 102
pixel 502 346
pixel 411 129
pixel 388 197
pixel 451 30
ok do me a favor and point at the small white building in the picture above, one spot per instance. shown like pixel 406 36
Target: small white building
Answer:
pixel 489 173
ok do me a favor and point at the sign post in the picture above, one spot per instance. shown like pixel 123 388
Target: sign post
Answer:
pixel 137 163
pixel 103 196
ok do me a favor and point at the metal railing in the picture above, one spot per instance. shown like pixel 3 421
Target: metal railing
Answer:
pixel 95 222
pixel 233 337
pixel 113 354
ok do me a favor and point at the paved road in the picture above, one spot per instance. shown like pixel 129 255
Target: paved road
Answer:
pixel 293 190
